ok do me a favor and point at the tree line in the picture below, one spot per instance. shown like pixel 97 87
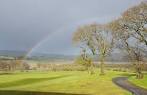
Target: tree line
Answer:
pixel 13 65
pixel 128 34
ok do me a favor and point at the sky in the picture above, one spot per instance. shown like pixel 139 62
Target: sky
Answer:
pixel 47 25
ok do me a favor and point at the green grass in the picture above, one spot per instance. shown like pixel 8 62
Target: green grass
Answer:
pixel 77 82
pixel 139 82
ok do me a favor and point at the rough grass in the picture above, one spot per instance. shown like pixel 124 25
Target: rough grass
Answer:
pixel 60 83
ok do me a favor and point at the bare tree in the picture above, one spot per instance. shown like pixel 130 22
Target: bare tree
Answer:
pixel 134 20
pixel 85 60
pixel 131 34
pixel 97 38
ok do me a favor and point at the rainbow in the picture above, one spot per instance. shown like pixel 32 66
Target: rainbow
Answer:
pixel 75 24
pixel 38 44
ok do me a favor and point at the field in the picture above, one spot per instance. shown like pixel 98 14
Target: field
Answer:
pixel 63 82
pixel 66 79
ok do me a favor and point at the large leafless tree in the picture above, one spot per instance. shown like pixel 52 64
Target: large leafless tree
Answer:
pixel 97 38
pixel 130 31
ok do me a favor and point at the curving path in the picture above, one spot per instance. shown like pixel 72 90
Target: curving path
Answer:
pixel 125 84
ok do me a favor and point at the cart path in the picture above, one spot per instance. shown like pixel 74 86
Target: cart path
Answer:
pixel 125 84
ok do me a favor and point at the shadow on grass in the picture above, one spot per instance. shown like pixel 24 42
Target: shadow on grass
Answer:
pixel 6 73
pixel 10 92
pixel 130 74
pixel 127 74
pixel 28 81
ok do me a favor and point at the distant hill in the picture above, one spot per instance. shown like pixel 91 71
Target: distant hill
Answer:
pixel 115 57
pixel 36 56
pixel 12 53
pixel 54 57
pixel 51 57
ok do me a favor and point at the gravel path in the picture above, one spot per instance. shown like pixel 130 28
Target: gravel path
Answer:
pixel 125 84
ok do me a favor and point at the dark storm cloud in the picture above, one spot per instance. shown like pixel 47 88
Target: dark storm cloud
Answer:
pixel 23 23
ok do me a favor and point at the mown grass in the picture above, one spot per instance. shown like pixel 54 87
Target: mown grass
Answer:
pixel 61 82
pixel 139 82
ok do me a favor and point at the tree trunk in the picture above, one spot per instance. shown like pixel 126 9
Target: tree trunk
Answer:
pixel 102 66
pixel 91 70
pixel 139 74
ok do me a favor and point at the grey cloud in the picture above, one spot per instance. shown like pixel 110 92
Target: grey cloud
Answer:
pixel 23 23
